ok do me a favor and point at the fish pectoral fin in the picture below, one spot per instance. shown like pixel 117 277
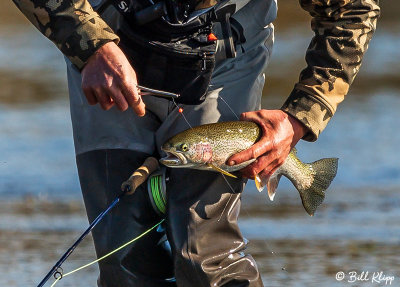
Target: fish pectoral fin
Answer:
pixel 216 168
pixel 271 183
pixel 260 186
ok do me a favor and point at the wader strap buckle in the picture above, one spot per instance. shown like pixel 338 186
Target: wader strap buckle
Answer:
pixel 224 18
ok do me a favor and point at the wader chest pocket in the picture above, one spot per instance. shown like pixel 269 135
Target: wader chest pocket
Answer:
pixel 183 66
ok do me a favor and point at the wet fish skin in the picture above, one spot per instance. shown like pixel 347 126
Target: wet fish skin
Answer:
pixel 207 147
pixel 213 143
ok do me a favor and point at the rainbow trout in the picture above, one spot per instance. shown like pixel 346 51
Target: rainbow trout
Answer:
pixel 207 147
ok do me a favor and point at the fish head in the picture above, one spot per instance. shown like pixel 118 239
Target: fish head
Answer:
pixel 177 156
pixel 186 152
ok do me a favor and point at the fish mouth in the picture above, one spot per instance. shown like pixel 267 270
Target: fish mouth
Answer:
pixel 173 159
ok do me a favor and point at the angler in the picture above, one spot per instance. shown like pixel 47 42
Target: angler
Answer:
pixel 213 55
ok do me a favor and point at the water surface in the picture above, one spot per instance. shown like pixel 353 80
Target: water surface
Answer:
pixel 357 228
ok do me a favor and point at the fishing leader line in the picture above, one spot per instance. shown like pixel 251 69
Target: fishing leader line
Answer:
pixel 229 107
pixel 180 110
pixel 58 275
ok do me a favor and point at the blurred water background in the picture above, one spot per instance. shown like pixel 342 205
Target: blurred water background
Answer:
pixel 357 228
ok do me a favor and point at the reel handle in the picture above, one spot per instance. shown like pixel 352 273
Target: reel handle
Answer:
pixel 140 175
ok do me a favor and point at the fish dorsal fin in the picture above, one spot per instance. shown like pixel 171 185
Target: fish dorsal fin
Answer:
pixel 216 168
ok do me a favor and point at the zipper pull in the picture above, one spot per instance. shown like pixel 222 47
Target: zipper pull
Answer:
pixel 204 56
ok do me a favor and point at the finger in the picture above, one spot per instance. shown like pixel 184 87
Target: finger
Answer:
pixel 265 173
pixel 104 99
pixel 110 101
pixel 243 116
pixel 250 117
pixel 118 98
pixel 270 169
pixel 256 167
pixel 90 96
pixel 254 117
pixel 133 98
pixel 107 105
pixel 259 148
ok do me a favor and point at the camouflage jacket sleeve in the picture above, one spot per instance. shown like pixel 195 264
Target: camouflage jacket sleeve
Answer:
pixel 72 25
pixel 342 30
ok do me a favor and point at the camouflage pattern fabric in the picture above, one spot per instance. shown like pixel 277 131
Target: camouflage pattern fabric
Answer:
pixel 73 25
pixel 343 29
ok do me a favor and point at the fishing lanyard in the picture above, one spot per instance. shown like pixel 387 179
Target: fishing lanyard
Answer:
pixel 128 188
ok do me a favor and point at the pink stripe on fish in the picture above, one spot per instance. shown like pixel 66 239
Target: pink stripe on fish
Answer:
pixel 203 152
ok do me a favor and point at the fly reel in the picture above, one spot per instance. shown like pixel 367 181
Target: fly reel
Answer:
pixel 156 188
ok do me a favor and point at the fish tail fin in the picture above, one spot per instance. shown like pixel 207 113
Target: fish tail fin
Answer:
pixel 272 184
pixel 323 172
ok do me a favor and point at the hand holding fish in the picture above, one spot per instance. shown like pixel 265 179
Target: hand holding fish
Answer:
pixel 207 147
pixel 108 78
pixel 280 133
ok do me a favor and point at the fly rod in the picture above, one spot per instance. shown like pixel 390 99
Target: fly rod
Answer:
pixel 128 187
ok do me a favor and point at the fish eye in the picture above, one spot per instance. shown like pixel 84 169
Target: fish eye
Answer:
pixel 184 147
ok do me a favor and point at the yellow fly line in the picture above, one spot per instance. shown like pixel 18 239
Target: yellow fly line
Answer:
pixel 108 254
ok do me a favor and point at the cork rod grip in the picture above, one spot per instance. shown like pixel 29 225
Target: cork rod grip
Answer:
pixel 140 175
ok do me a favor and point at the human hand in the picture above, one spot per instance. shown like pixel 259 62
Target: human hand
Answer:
pixel 108 78
pixel 280 133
